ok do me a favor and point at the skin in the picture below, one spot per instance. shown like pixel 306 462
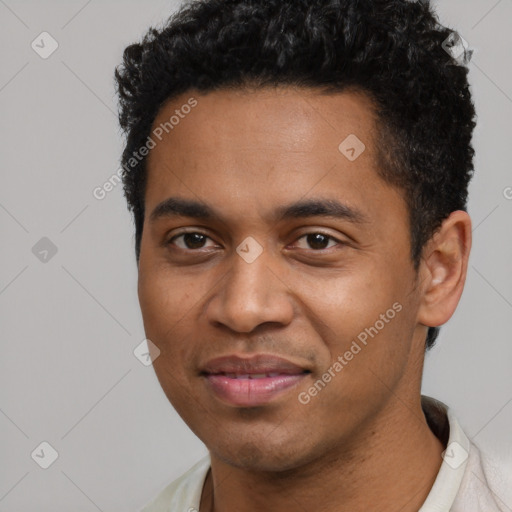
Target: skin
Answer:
pixel 363 439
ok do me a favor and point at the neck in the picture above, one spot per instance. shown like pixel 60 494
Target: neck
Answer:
pixel 393 463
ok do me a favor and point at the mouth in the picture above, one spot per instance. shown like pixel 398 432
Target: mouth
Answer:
pixel 251 382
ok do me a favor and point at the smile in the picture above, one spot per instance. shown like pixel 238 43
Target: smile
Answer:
pixel 251 382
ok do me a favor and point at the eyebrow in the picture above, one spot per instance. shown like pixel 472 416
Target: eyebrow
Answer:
pixel 179 207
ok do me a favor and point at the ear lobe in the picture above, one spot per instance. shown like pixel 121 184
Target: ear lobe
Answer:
pixel 443 269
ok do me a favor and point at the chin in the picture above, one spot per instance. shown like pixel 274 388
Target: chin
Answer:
pixel 264 455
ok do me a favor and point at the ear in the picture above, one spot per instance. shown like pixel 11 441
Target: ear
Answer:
pixel 443 269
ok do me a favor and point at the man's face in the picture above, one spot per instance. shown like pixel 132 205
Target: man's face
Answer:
pixel 320 284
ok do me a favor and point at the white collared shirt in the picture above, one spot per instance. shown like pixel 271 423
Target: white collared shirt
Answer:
pixel 466 481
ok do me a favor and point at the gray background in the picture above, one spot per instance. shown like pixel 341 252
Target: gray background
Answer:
pixel 69 326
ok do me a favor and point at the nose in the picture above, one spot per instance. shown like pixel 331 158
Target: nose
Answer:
pixel 251 294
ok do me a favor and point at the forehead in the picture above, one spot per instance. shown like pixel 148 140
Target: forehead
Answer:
pixel 279 118
pixel 262 146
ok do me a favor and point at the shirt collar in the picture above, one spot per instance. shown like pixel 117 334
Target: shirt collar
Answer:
pixel 446 428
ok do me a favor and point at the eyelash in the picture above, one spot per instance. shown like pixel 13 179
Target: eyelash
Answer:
pixel 329 237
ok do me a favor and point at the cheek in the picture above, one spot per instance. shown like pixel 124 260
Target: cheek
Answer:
pixel 345 304
pixel 366 318
pixel 164 306
pixel 164 297
pixel 165 303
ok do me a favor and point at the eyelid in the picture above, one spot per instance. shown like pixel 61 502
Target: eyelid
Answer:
pixel 320 232
pixel 170 240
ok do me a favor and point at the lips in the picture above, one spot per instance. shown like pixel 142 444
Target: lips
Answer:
pixel 251 375
pixel 261 364
pixel 251 382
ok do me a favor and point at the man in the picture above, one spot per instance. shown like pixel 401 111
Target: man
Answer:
pixel 298 172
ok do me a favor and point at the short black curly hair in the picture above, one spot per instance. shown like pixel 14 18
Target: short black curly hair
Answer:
pixel 392 50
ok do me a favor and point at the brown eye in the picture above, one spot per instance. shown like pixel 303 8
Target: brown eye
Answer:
pixel 318 241
pixel 190 240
